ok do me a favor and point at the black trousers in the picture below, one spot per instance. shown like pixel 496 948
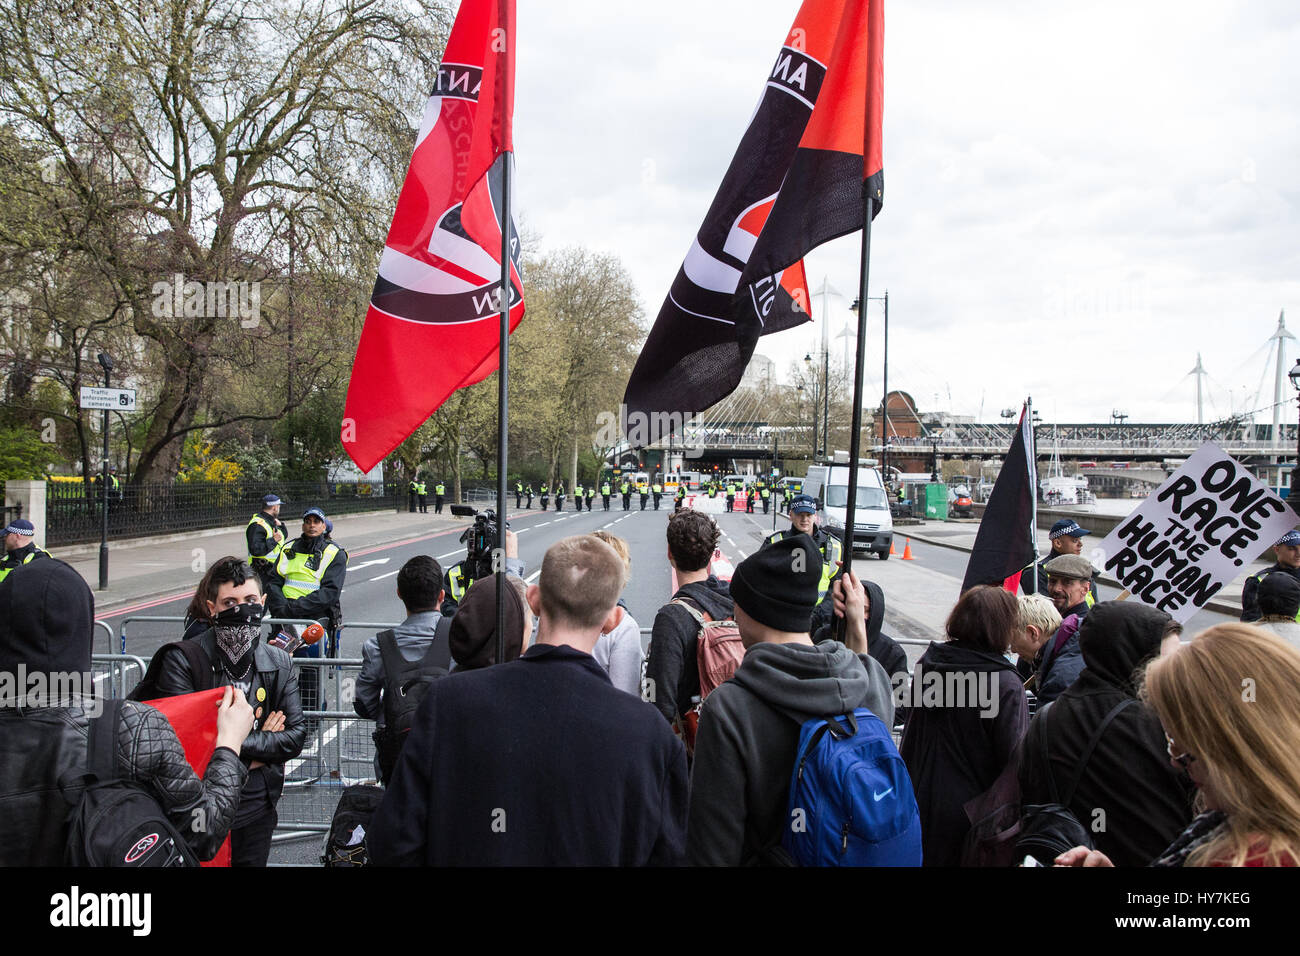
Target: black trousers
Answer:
pixel 605 498
pixel 424 505
pixel 250 844
pixel 437 505
pixel 412 503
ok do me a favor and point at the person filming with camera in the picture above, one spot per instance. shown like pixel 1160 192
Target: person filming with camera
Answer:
pixel 479 540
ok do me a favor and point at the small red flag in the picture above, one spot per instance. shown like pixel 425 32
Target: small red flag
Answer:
pixel 194 718
pixel 432 327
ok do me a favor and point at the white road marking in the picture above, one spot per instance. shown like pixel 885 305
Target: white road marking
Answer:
pixel 382 576
pixel 447 555
pixel 604 526
pixel 532 577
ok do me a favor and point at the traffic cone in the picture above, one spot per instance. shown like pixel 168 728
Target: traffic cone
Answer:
pixel 907 550
pixel 892 552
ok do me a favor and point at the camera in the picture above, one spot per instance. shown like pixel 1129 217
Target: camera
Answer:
pixel 479 540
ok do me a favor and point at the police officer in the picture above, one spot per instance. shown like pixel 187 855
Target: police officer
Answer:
pixel 643 489
pixel 626 491
pixel 20 546
pixel 1287 553
pixel 439 490
pixel 559 496
pixel 680 497
pixel 766 494
pixel 519 491
pixel 412 489
pixel 1067 538
pixel 749 500
pixel 591 494
pixel 731 496
pixel 604 492
pixel 528 493
pixel 657 490
pixel 578 493
pixel 546 496
pixel 422 490
pixel 802 511
pixel 266 535
pixel 311 571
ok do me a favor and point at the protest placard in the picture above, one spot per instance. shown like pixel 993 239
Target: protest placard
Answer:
pixel 1194 533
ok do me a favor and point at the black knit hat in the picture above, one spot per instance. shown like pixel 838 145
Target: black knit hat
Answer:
pixel 777 585
pixel 1279 595
pixel 47 618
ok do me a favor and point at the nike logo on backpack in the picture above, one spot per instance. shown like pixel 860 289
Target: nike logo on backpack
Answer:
pixel 880 796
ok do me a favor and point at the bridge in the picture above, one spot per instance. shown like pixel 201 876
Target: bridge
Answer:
pixel 716 442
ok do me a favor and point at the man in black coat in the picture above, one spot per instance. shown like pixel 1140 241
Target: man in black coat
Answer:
pixel 540 761
pixel 672 667
pixel 1129 795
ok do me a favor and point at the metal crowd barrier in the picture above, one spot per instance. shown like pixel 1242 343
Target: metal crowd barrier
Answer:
pixel 113 668
pixel 108 629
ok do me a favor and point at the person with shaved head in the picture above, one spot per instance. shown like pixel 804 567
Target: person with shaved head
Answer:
pixel 540 761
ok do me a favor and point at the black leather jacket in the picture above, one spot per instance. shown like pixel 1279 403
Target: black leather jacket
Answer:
pixel 273 672
pixel 38 744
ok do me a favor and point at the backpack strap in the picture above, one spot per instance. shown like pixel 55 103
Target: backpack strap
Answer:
pixel 391 656
pixel 701 616
pixel 101 747
pixel 200 664
pixel 1093 741
pixel 439 652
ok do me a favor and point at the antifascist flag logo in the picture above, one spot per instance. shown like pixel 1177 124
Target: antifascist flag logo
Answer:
pixel 431 327
pixel 796 181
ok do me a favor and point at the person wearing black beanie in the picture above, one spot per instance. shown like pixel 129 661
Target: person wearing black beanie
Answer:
pixel 749 729
pixel 1279 606
pixel 47 616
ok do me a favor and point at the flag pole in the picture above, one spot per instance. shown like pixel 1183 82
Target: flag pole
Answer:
pixel 1031 453
pixel 503 406
pixel 868 210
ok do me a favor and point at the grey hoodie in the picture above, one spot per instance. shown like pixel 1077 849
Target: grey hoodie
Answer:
pixel 749 731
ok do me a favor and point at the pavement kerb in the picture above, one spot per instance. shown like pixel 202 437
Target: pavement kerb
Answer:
pixel 126 544
pixel 1223 607
pixel 104 606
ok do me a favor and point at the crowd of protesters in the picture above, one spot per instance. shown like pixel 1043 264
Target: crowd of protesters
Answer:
pixel 1095 731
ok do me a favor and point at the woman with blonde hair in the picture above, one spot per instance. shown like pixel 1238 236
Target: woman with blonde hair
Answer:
pixel 620 651
pixel 1229 702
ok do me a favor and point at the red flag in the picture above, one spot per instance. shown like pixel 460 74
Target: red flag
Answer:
pixel 194 718
pixel 1004 544
pixel 796 181
pixel 432 326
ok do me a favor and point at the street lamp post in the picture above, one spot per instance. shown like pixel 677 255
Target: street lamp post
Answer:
pixel 106 363
pixel 816 390
pixel 884 401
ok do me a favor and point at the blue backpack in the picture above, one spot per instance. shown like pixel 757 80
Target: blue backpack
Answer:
pixel 851 800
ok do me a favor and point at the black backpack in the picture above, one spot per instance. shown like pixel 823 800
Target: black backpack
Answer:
pixel 1049 829
pixel 404 687
pixel 343 847
pixel 116 823
pixel 1003 831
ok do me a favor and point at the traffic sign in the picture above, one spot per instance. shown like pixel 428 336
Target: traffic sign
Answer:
pixel 121 399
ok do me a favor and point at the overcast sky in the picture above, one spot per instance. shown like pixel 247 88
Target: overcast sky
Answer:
pixel 1078 197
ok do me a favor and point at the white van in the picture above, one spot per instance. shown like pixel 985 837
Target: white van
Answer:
pixel 873 526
